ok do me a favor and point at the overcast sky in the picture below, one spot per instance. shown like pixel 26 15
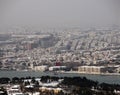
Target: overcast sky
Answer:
pixel 57 13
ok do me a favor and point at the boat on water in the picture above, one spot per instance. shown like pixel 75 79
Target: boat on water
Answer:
pixel 7 69
pixel 55 73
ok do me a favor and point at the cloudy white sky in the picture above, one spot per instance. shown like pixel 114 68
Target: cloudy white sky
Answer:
pixel 57 13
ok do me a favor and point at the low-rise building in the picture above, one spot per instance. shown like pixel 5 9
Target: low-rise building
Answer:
pixel 92 69
pixel 56 68
pixel 40 68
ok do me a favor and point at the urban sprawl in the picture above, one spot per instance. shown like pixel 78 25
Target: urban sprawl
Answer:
pixel 70 50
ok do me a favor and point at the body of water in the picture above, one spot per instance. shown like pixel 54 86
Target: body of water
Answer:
pixel 100 78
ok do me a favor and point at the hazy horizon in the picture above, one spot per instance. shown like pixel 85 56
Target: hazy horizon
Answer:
pixel 59 13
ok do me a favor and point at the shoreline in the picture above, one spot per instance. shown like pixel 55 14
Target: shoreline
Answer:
pixel 68 72
pixel 104 74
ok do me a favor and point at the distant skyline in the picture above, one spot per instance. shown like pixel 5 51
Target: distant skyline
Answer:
pixel 59 13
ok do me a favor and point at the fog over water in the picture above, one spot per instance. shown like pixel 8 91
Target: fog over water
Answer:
pixel 58 13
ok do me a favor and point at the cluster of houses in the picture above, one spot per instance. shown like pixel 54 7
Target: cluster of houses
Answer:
pixel 33 87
